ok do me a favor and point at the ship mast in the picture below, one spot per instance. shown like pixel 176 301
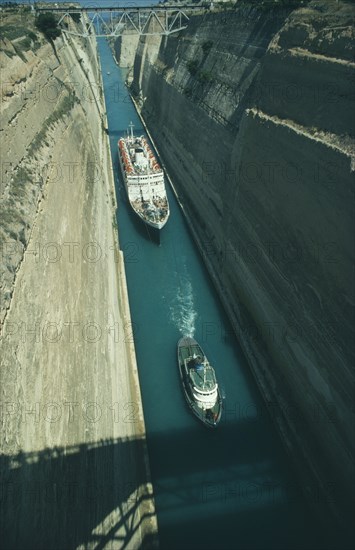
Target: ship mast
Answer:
pixel 131 127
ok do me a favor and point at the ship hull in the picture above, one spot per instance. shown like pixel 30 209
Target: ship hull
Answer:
pixel 212 416
pixel 141 204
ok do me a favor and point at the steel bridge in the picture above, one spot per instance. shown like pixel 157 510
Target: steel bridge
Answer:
pixel 113 21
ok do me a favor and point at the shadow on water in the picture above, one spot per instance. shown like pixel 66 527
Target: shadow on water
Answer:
pixel 91 494
pixel 142 229
pixel 224 490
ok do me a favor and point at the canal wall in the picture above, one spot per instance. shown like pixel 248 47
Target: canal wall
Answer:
pixel 74 468
pixel 251 111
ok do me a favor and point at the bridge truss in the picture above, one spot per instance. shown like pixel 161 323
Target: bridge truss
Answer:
pixel 112 22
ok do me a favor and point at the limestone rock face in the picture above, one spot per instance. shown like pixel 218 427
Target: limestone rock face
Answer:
pixel 253 111
pixel 69 461
pixel 125 48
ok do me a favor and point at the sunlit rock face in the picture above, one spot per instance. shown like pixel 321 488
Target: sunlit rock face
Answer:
pixel 252 112
pixel 72 471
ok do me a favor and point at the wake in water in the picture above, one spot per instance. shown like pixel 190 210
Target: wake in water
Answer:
pixel 182 311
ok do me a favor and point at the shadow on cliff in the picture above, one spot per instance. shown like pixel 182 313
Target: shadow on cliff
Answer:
pixel 54 50
pixel 65 497
pixel 267 24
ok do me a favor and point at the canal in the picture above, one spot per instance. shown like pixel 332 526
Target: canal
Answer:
pixel 214 489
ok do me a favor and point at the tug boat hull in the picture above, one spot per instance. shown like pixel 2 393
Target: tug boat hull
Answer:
pixel 199 383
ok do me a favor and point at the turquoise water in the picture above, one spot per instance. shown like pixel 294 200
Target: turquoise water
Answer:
pixel 225 488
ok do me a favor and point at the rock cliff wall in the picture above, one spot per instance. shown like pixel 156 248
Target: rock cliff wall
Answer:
pixel 252 113
pixel 73 467
pixel 41 93
pixel 125 49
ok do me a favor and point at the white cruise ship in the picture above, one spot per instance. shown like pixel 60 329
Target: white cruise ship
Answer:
pixel 143 180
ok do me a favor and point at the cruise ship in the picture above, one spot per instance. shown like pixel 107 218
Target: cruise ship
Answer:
pixel 143 179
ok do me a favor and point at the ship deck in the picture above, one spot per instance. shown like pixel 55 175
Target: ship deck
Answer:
pixel 203 380
pixel 139 171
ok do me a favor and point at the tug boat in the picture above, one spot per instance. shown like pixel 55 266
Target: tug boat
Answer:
pixel 199 382
pixel 143 179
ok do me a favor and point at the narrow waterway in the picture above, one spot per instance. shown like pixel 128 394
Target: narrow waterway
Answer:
pixel 227 488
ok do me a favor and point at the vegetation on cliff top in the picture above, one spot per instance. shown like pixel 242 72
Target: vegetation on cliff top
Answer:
pixel 206 46
pixel 194 66
pixel 47 23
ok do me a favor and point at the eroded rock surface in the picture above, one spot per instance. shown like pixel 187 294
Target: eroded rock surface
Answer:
pixel 73 460
pixel 252 111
